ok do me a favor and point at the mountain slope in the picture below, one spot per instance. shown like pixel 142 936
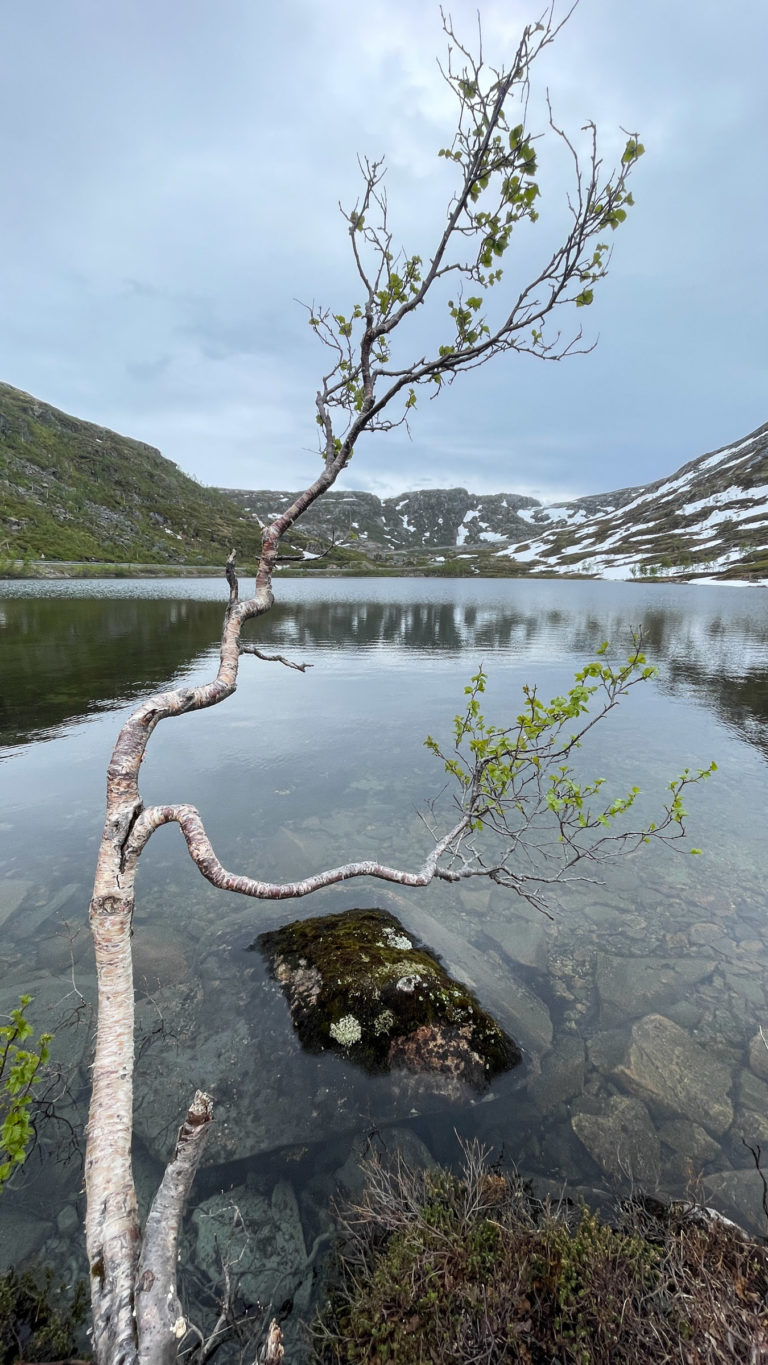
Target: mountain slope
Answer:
pixel 709 519
pixel 72 490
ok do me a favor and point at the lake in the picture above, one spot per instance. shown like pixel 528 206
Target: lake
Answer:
pixel 638 1004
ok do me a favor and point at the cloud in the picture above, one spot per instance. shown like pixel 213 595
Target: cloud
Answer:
pixel 172 176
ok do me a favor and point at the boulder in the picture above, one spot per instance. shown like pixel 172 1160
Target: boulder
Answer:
pixel 12 893
pixel 61 1010
pixel 391 1145
pixel 637 985
pixel 622 1140
pixel 522 933
pixel 688 1140
pixel 230 1033
pixel 358 984
pixel 529 1016
pixel 687 1149
pixel 751 1122
pixel 739 1194
pixel 512 1003
pixel 758 1055
pixel 561 1075
pixel 260 1239
pixel 666 1067
pixel 23 1236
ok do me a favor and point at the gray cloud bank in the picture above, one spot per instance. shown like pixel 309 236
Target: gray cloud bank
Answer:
pixel 171 175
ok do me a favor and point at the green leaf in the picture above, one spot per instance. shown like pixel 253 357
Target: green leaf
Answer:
pixel 632 151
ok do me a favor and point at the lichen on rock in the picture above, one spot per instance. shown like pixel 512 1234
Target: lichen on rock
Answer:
pixel 359 984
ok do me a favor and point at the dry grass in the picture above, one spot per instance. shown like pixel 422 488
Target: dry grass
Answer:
pixel 438 1268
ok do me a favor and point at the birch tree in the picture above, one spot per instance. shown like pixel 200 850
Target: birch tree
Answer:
pixel 514 787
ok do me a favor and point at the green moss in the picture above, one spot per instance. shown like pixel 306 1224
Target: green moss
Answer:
pixel 357 980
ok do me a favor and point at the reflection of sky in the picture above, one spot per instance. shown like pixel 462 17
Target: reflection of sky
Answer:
pixel 301 771
pixel 369 700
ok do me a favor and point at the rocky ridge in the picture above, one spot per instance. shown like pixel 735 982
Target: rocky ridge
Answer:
pixel 430 518
pixel 707 520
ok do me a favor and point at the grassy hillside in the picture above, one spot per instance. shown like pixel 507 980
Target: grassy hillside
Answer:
pixel 71 490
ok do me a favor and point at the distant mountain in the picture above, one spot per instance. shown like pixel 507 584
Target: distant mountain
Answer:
pixel 709 519
pixel 433 518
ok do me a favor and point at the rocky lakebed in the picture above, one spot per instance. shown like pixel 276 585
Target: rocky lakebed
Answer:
pixel 578 1054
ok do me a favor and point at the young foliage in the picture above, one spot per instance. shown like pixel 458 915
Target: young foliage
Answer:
pixel 495 157
pixel 518 786
pixel 19 1071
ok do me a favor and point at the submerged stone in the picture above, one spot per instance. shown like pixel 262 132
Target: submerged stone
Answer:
pixel 621 1139
pixel 681 1077
pixel 357 983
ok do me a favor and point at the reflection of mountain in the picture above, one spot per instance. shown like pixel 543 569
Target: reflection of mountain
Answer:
pixel 444 627
pixel 66 658
pixel 740 702
pixel 719 659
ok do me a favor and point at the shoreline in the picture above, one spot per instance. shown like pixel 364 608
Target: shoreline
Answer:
pixel 74 570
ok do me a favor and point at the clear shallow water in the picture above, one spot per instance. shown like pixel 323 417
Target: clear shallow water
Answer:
pixel 300 771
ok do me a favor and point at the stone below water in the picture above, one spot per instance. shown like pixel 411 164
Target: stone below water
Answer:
pixel 622 1140
pixel 261 1242
pixel 358 984
pixel 12 893
pixel 740 1194
pixel 664 1066
pixel 637 985
pixel 758 1055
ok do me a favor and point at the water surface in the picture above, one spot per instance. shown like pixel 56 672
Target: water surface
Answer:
pixel 300 771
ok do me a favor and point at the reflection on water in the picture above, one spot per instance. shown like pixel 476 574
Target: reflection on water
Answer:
pixel 64 659
pixel 69 649
pixel 638 1004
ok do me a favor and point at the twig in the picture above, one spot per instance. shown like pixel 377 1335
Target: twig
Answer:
pixel 246 648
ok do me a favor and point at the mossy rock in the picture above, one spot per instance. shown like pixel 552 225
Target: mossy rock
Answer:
pixel 359 984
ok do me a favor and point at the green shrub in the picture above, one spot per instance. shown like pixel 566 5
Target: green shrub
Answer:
pixel 19 1071
pixel 436 1268
pixel 38 1319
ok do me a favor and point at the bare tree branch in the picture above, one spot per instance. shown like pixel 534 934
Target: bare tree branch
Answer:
pixel 202 854
pixel 161 1323
pixel 247 648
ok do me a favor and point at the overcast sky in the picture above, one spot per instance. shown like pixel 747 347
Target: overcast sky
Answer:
pixel 171 171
